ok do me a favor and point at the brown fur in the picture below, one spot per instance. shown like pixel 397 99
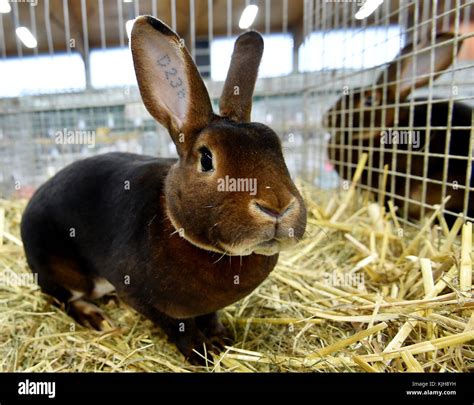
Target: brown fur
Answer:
pixel 68 274
pixel 235 222
pixel 236 99
pixel 199 283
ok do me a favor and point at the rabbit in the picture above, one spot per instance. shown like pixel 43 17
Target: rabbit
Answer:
pixel 162 233
pixel 373 120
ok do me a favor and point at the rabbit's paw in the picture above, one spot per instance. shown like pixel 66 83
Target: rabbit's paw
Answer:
pixel 89 315
pixel 197 340
pixel 196 349
pixel 214 331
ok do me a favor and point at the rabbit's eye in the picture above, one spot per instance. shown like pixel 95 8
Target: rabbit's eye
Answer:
pixel 371 101
pixel 368 102
pixel 206 159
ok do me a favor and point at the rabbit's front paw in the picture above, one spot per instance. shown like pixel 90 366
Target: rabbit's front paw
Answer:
pixel 197 337
pixel 89 315
pixel 196 348
pixel 214 331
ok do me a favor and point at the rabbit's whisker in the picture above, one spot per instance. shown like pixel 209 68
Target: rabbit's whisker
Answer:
pixel 220 258
pixel 175 231
pixel 151 220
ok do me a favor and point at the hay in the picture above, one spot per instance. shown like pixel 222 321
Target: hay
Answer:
pixel 357 294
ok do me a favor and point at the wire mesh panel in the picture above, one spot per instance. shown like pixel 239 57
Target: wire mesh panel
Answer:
pixel 336 82
pixel 412 115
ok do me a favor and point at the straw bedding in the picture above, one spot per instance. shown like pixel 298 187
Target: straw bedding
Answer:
pixel 357 294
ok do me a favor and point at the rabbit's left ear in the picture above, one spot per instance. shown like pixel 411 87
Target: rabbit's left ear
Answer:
pixel 236 98
pixel 171 87
pixel 415 66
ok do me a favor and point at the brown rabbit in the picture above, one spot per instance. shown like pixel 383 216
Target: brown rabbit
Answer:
pixel 163 232
pixel 371 113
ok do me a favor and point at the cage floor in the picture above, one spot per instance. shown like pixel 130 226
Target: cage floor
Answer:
pixel 357 294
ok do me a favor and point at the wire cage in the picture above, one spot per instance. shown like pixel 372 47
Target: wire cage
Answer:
pixel 394 87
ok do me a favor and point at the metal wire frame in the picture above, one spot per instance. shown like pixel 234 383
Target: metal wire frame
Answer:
pixel 283 108
pixel 417 28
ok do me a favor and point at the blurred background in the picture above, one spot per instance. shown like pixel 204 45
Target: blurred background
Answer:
pixel 68 89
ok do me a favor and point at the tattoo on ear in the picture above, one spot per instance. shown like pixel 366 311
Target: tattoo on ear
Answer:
pixel 164 61
pixel 170 72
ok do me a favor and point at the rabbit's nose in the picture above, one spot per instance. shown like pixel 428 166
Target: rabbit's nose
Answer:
pixel 326 120
pixel 274 212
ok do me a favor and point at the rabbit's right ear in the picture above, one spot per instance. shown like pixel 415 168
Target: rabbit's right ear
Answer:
pixel 170 85
pixel 417 65
pixel 236 99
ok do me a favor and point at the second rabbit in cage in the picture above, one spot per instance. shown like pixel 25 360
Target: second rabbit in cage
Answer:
pixel 363 120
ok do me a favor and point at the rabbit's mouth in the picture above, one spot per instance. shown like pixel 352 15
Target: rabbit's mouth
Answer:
pixel 266 248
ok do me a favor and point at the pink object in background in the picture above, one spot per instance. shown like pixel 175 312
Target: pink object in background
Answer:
pixel 24 192
pixel 328 166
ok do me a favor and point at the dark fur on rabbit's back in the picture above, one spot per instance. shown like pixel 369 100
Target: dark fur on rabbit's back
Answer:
pixel 117 231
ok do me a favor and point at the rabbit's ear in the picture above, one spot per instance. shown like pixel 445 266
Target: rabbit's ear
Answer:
pixel 171 87
pixel 416 64
pixel 236 98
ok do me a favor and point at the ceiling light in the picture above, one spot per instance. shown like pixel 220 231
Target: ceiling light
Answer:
pixel 5 7
pixel 367 9
pixel 26 37
pixel 248 16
